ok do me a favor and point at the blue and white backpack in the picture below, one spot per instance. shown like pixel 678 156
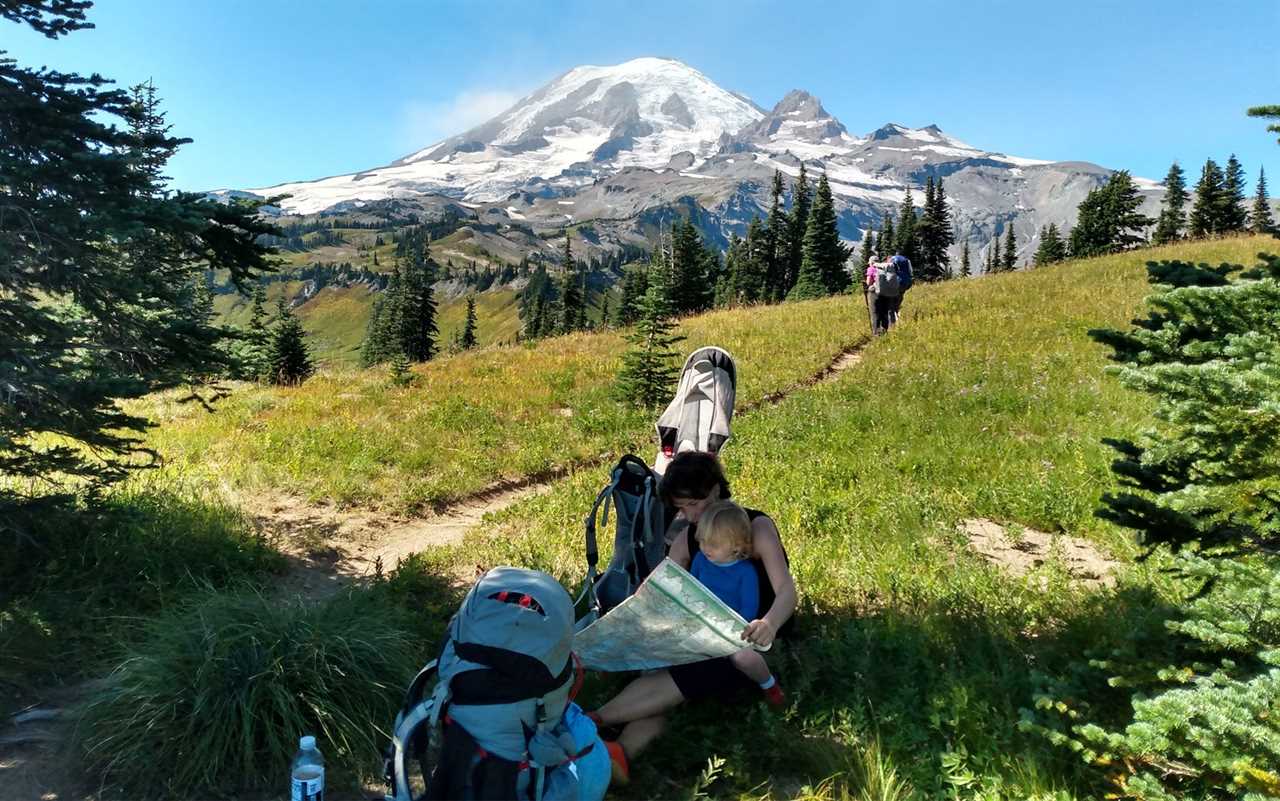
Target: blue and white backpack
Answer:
pixel 494 726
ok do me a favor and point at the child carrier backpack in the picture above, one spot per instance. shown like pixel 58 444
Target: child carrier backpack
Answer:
pixel 639 540
pixel 698 417
pixel 887 285
pixel 492 725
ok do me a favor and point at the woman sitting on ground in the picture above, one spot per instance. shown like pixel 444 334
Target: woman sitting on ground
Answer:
pixel 692 483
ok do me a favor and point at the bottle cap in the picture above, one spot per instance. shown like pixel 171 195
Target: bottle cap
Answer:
pixel 307 742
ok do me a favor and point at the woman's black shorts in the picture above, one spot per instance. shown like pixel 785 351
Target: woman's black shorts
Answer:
pixel 712 678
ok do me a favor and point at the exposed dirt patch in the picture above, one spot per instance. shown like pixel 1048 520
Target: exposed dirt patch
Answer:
pixel 1020 551
pixel 36 759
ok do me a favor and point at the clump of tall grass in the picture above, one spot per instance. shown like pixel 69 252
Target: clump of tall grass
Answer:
pixel 74 584
pixel 214 697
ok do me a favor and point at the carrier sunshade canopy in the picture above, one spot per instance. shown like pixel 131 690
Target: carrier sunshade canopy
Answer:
pixel 698 418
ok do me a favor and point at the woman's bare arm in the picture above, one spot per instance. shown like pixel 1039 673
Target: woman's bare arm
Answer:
pixel 767 544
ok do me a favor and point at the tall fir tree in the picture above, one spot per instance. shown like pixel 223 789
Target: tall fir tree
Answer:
pixel 965 270
pixel 1206 212
pixel 823 250
pixel 381 339
pixel 868 249
pixel 934 234
pixel 571 301
pixel 635 282
pixel 1233 216
pixel 995 264
pixel 904 241
pixel 750 282
pixel 649 369
pixel 418 329
pixel 1172 217
pixel 1108 219
pixel 777 247
pixel 886 243
pixel 801 203
pixel 1260 219
pixel 1052 248
pixel 289 359
pixel 1010 251
pixel 467 339
pixel 691 285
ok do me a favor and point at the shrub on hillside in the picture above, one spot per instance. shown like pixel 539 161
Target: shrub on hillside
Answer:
pixel 215 696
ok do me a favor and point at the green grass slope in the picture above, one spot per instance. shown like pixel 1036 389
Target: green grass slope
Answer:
pixel 989 401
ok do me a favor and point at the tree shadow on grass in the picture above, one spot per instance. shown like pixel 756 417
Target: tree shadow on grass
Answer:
pixel 938 688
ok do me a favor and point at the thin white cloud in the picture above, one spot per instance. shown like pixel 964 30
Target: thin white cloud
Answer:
pixel 427 123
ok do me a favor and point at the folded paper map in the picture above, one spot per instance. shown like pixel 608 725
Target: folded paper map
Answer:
pixel 672 619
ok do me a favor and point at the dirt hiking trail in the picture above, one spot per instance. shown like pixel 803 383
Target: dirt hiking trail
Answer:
pixel 330 547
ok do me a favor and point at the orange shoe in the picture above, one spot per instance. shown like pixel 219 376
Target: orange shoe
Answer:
pixel 621 771
pixel 774 696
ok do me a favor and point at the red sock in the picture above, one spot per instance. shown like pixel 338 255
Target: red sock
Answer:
pixel 774 696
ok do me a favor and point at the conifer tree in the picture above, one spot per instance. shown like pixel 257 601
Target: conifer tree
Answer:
pixel 571 300
pixel 801 202
pixel 289 360
pixel 1052 247
pixel 649 368
pixel 1010 250
pixel 97 263
pixel 635 282
pixel 417 334
pixel 251 353
pixel 868 249
pixel 750 282
pixel 691 285
pixel 468 338
pixel 824 255
pixel 1260 219
pixel 886 242
pixel 1233 216
pixel 965 271
pixel 1267 112
pixel 904 241
pixel 1205 217
pixel 1204 684
pixel 1108 219
pixel 934 234
pixel 776 247
pixel 382 334
pixel 995 264
pixel 1170 223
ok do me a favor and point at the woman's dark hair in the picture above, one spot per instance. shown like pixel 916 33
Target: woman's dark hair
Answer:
pixel 693 475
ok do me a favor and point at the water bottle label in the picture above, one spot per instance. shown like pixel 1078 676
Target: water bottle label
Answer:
pixel 308 789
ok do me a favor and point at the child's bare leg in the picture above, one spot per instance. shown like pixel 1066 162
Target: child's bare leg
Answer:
pixel 751 663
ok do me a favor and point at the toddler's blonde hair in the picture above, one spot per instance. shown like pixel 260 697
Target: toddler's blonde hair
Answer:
pixel 725 522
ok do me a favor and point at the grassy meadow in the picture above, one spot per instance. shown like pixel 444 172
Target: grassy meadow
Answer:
pixel 912 656
pixel 355 437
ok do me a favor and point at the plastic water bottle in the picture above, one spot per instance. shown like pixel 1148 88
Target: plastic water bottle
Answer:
pixel 308 772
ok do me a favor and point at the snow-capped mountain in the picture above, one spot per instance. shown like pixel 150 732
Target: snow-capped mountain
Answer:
pixel 625 146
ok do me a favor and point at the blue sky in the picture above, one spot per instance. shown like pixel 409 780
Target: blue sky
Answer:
pixel 273 91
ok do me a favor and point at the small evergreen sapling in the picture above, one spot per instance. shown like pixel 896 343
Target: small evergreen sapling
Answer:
pixel 289 361
pixel 649 370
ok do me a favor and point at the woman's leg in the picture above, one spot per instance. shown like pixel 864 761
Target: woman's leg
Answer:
pixel 637 734
pixel 646 697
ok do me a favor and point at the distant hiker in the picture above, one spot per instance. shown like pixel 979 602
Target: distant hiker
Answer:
pixel 883 289
pixel 723 564
pixel 902 266
pixel 692 483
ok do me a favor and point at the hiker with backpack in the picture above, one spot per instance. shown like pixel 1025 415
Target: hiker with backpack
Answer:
pixel 882 291
pixel 901 266
pixel 693 482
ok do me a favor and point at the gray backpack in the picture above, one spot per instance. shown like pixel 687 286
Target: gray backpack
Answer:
pixel 492 725
pixel 887 284
pixel 639 540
